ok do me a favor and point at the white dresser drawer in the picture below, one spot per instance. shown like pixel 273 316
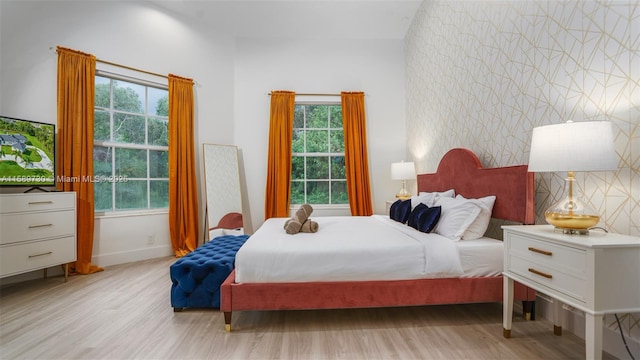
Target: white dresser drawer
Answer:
pixel 36 202
pixel 550 277
pixel 18 258
pixel 30 226
pixel 559 257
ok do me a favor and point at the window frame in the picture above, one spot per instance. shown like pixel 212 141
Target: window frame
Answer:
pixel 111 145
pixel 329 154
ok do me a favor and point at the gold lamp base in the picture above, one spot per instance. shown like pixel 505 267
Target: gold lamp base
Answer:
pixel 570 215
pixel 571 224
pixel 403 194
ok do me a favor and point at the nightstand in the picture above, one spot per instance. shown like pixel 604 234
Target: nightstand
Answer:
pixel 388 204
pixel 595 273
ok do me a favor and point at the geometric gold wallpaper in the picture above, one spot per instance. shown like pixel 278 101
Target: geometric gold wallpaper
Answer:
pixel 483 74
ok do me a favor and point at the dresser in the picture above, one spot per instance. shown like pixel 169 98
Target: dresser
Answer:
pixel 595 273
pixel 37 231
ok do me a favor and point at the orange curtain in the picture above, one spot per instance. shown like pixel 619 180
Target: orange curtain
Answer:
pixel 355 153
pixel 76 89
pixel 183 197
pixel 279 155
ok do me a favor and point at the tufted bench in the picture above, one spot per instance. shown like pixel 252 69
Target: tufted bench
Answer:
pixel 196 277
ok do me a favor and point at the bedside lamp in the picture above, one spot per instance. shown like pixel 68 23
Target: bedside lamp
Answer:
pixel 403 171
pixel 572 146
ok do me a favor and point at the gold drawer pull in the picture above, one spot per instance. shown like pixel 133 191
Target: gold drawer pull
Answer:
pixel 40 202
pixel 39 226
pixel 548 276
pixel 543 252
pixel 43 254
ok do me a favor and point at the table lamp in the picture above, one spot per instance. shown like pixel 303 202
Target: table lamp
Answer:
pixel 571 147
pixel 403 171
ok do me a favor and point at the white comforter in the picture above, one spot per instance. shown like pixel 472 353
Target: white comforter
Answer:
pixel 345 249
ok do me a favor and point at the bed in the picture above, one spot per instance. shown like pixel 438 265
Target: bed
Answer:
pixel 418 277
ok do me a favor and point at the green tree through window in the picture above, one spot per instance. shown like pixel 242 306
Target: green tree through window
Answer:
pixel 317 163
pixel 130 154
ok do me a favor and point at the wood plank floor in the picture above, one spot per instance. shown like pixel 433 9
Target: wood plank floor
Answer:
pixel 125 313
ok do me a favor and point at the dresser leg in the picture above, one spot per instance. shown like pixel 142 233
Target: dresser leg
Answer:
pixel 593 336
pixel 507 306
pixel 66 272
pixel 557 317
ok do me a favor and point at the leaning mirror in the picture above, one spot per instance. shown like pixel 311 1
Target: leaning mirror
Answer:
pixel 222 188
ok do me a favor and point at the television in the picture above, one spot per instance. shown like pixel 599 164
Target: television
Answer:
pixel 27 153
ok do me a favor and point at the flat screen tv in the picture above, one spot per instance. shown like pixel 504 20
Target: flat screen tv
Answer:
pixel 27 153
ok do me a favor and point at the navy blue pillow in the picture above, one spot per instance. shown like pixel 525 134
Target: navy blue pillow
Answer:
pixel 424 218
pixel 399 210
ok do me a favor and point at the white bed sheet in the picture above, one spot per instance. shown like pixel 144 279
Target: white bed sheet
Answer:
pixel 481 257
pixel 357 248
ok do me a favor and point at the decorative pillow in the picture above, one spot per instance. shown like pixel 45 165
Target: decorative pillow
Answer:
pixel 424 218
pixel 457 215
pixel 430 198
pixel 481 223
pixel 399 210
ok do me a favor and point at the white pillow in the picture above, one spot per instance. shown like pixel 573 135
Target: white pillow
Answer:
pixel 429 198
pixel 456 216
pixel 479 226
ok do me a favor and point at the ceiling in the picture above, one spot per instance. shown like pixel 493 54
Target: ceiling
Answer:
pixel 299 19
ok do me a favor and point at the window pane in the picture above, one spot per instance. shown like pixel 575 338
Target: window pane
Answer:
pixel 297 168
pixel 317 116
pixel 158 164
pixel 338 168
pixel 159 193
pixel 318 192
pixel 317 141
pixel 297 192
pixel 337 141
pixel 158 102
pixel 128 97
pixel 298 116
pixel 102 98
pixel 317 167
pixel 131 163
pixel 102 161
pixel 297 145
pixel 131 194
pixel 339 192
pixel 101 125
pixel 102 192
pixel 158 131
pixel 336 117
pixel 128 128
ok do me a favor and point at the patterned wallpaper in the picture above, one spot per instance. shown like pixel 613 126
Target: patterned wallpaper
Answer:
pixel 483 74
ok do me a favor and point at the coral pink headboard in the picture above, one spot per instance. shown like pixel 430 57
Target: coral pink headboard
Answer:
pixel 461 170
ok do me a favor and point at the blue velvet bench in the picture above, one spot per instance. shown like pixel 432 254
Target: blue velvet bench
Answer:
pixel 196 277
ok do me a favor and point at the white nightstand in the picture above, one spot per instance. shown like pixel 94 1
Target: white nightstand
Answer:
pixel 388 204
pixel 595 273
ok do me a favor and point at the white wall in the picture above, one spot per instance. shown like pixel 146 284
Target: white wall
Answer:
pixel 129 33
pixel 321 66
pixel 232 105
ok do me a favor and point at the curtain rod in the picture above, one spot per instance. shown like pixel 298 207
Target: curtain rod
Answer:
pixel 310 94
pixel 131 68
pixel 120 65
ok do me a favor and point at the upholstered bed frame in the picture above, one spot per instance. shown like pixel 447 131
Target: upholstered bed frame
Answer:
pixel 459 169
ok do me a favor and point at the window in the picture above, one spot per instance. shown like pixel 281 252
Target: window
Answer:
pixel 317 164
pixel 130 154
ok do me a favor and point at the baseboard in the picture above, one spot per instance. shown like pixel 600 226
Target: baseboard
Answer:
pixel 132 255
pixel 574 322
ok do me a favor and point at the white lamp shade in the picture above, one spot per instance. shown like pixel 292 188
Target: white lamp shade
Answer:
pixel 573 146
pixel 403 171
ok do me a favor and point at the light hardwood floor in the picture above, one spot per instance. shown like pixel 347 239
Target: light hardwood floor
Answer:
pixel 125 313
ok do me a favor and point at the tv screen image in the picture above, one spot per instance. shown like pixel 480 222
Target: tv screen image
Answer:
pixel 27 152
